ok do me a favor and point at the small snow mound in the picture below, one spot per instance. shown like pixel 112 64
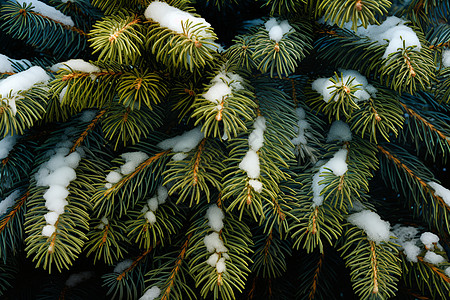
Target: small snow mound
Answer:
pixel 376 229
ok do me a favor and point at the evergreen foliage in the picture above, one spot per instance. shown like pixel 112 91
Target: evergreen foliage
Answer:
pixel 229 157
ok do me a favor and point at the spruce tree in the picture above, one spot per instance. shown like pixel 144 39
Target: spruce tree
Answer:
pixel 224 149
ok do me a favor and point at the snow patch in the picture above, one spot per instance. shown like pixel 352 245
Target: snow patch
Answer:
pixel 376 229
pixel 215 217
pixel 8 202
pixel 77 65
pixel 326 88
pixel 6 145
pixel 22 81
pixel 338 165
pixel 123 265
pixel 174 18
pixel 48 11
pixel 433 258
pixel 440 191
pixel 185 142
pixel 151 294
pixel 392 32
pixel 277 30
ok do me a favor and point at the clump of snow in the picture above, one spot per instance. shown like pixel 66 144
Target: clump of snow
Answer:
pixel 433 258
pixel 256 138
pixel 250 162
pixel 327 88
pixel 406 238
pixel 153 204
pixel 151 294
pixel 447 271
pixel 151 217
pixel 51 217
pixel 220 265
pixel 277 30
pixel 223 85
pixel 174 18
pixel 123 265
pixel 160 197
pixel 376 229
pixel 57 173
pixel 103 222
pixel 440 191
pixel 185 142
pixel 411 250
pixel 338 165
pixel 179 156
pixel 339 131
pixel 213 259
pixel 213 242
pixel 48 11
pixel 8 201
pixel 256 185
pixel 445 58
pixel 404 233
pixel 77 65
pixel 7 64
pixel 162 194
pixel 392 32
pixel 48 230
pixel 132 161
pixel 113 177
pixel 76 279
pixel 12 85
pixel 6 145
pixel 215 217
pixel 429 239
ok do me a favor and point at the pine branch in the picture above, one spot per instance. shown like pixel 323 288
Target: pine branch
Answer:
pixel 411 177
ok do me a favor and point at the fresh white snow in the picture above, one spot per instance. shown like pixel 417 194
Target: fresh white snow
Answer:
pixel 223 85
pixel 250 164
pixel 6 64
pixel 57 173
pixel 446 58
pixel 174 18
pixel 377 230
pixel 151 294
pixel 77 65
pixel 429 239
pixel 6 145
pixel 22 81
pixel 215 217
pixel 185 142
pixel 433 258
pixel 392 32
pixel 326 88
pixel 48 11
pixel 440 191
pixel 132 161
pixel 8 202
pixel 123 265
pixel 277 29
pixel 337 165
